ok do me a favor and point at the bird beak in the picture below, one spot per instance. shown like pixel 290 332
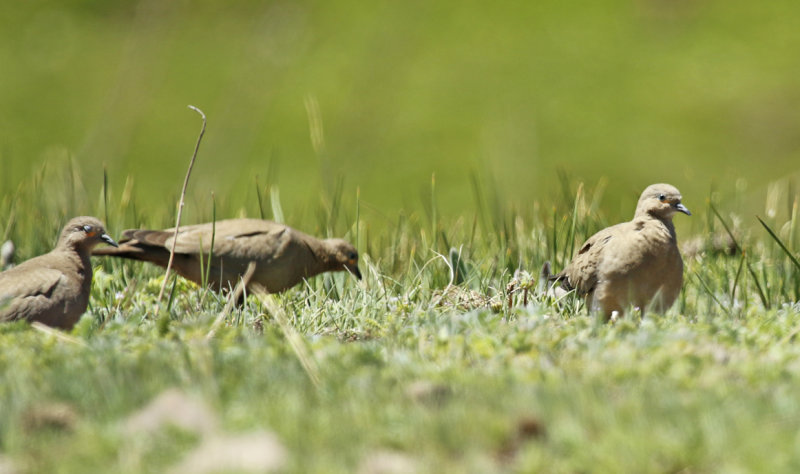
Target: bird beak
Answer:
pixel 107 239
pixel 681 208
pixel 355 271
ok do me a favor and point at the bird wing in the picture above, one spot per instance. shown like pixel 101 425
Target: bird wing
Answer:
pixel 27 289
pixel 242 238
pixel 582 273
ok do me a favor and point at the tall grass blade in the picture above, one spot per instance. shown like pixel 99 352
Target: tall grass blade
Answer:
pixel 434 217
pixel 480 201
pixel 736 280
pixel 780 243
pixel 172 293
pixel 358 216
pixel 565 187
pixel 275 202
pixel 260 202
pixel 725 226
pixel 574 223
pixel 709 291
pixel 205 268
pixel 105 195
pixel 554 255
pixel 793 224
pixel 761 294
pixel 458 266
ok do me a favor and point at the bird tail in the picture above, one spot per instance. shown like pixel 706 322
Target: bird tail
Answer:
pixel 548 278
pixel 123 251
pixel 139 244
pixel 134 250
pixel 546 273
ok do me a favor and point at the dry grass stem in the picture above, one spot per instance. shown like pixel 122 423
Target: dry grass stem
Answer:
pixel 181 202
pixel 56 334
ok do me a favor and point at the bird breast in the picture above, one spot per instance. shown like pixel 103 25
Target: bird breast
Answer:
pixel 651 249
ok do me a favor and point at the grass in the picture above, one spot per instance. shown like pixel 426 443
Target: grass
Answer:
pixel 451 377
pixel 694 94
pixel 454 145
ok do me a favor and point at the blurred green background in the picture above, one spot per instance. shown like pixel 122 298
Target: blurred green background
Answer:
pixel 697 93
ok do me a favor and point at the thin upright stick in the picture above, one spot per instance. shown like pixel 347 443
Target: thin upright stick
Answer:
pixel 180 203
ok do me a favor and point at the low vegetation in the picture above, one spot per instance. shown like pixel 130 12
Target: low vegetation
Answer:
pixel 448 357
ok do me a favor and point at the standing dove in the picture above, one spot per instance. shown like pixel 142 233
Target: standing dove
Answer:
pixel 283 256
pixel 634 263
pixel 53 288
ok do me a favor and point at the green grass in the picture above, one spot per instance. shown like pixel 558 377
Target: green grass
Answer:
pixel 456 380
pixel 697 94
pixel 451 142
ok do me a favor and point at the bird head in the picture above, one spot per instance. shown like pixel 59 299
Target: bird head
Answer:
pixel 84 232
pixel 661 201
pixel 345 256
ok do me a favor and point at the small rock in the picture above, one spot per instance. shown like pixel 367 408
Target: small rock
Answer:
pixel 7 466
pixel 259 451
pixel 172 407
pixel 388 462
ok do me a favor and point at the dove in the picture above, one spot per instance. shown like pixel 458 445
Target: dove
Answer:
pixel 283 256
pixel 53 288
pixel 635 263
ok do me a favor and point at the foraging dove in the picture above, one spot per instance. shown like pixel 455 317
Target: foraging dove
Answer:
pixel 53 288
pixel 633 263
pixel 283 256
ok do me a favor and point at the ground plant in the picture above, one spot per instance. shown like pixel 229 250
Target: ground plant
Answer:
pixel 459 146
pixel 448 357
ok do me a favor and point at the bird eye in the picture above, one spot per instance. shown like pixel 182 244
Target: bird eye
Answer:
pixel 662 198
pixel 352 255
pixel 87 228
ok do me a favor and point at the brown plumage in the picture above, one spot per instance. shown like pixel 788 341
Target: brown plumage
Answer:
pixel 53 288
pixel 634 263
pixel 283 256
